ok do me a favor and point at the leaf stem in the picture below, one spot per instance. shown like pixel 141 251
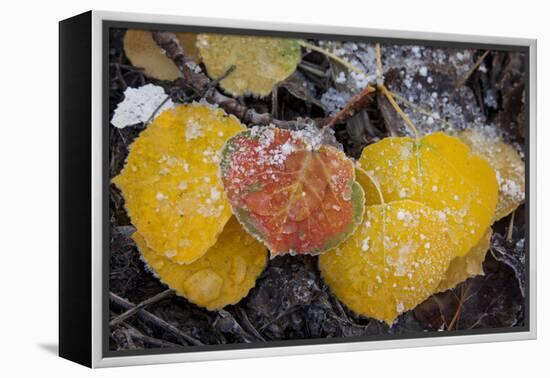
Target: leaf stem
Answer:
pixel 472 70
pixel 420 109
pixel 385 91
pixel 379 67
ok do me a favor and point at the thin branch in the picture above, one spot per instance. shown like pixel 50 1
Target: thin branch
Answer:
pixel 510 232
pixel 250 327
pixel 456 317
pixel 181 336
pixel 379 68
pixel 171 46
pixel 138 335
pixel 472 70
pixel 385 91
pixel 311 68
pixel 331 55
pixel 215 82
pixel 356 104
pixel 152 116
pixel 419 109
pixel 125 315
pixel 203 86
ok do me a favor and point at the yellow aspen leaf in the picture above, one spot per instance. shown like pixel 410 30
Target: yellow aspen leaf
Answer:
pixel 509 167
pixel 142 50
pixel 372 197
pixel 441 172
pixel 393 262
pixel 221 277
pixel 170 182
pixel 469 265
pixel 188 42
pixel 260 62
pixel 461 267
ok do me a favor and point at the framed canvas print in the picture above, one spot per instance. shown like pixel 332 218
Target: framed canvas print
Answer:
pixel 234 189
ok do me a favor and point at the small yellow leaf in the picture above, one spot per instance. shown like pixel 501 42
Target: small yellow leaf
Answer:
pixel 469 265
pixel 142 50
pixel 170 182
pixel 260 62
pixel 223 276
pixel 509 167
pixel 393 262
pixel 188 42
pixel 441 172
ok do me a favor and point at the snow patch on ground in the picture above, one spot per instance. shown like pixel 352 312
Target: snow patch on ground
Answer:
pixel 139 104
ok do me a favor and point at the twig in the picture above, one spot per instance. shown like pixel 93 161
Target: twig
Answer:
pixel 456 316
pixel 137 334
pixel 215 82
pixel 129 339
pixel 181 336
pixel 125 315
pixel 311 68
pixel 385 91
pixel 250 327
pixel 379 68
pixel 225 319
pixel 152 116
pixel 356 104
pixel 170 44
pixel 510 232
pixel 472 70
pixel 419 109
pixel 331 55
pixel 202 84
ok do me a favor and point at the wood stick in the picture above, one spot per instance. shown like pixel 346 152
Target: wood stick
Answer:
pixel 248 324
pixel 472 70
pixel 125 315
pixel 356 104
pixel 181 336
pixel 138 335
pixel 204 87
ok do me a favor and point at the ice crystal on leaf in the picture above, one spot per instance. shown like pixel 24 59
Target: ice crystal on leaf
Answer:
pixel 259 62
pixel 434 171
pixel 509 167
pixel 222 276
pixel 398 272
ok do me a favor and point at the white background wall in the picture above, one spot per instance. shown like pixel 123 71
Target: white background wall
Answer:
pixel 28 186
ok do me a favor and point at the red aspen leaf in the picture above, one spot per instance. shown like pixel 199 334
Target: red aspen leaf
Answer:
pixel 289 191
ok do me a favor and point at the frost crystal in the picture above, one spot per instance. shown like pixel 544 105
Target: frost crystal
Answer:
pixel 139 104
